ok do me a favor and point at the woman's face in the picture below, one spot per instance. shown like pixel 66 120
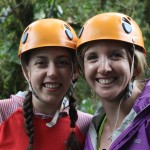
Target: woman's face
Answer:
pixel 50 73
pixel 106 68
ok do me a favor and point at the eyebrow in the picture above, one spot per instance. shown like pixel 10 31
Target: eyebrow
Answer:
pixel 45 57
pixel 87 53
pixel 39 57
pixel 121 50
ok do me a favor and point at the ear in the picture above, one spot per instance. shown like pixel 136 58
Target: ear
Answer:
pixel 25 70
pixel 75 73
pixel 136 73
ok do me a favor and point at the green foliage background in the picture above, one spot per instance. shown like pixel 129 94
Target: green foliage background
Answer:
pixel 15 15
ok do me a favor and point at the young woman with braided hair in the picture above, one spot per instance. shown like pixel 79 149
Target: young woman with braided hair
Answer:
pixel 45 117
pixel 111 54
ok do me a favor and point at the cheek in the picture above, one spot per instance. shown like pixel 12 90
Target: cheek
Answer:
pixel 126 67
pixel 123 69
pixel 89 71
pixel 66 74
pixel 35 75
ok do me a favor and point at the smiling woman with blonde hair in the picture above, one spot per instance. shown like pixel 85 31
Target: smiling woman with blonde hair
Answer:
pixel 112 59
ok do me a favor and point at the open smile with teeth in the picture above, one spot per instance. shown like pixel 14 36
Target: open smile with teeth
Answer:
pixel 106 81
pixel 52 86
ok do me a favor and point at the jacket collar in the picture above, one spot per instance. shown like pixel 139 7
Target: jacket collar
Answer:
pixel 144 99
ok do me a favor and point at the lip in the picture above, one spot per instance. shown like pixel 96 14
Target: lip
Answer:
pixel 52 85
pixel 106 81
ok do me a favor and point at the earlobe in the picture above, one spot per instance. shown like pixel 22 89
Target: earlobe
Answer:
pixel 136 73
pixel 75 74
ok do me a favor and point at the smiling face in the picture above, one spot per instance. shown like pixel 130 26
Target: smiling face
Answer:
pixel 50 72
pixel 106 68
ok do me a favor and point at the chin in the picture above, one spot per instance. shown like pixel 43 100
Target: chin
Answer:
pixel 107 95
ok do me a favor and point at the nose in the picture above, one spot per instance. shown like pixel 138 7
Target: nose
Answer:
pixel 51 70
pixel 104 66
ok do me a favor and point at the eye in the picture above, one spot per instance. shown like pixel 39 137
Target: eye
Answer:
pixel 116 55
pixel 40 63
pixel 63 62
pixel 91 57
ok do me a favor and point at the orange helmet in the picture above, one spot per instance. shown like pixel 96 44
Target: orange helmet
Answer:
pixel 47 32
pixel 111 26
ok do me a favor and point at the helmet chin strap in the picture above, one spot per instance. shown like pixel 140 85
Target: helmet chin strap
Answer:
pixel 129 87
pixel 54 120
pixel 56 115
pixel 125 95
pixel 61 106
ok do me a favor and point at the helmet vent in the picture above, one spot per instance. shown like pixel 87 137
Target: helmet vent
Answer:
pixel 126 20
pixel 68 32
pixel 80 32
pixel 67 27
pixel 26 29
pixel 24 38
pixel 126 25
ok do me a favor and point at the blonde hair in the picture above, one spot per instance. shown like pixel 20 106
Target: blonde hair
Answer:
pixel 140 66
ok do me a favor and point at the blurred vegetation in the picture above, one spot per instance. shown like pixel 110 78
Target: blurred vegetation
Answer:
pixel 15 15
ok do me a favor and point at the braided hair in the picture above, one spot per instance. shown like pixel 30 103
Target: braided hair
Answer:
pixel 73 143
pixel 28 115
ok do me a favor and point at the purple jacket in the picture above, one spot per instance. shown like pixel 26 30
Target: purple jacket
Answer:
pixel 134 137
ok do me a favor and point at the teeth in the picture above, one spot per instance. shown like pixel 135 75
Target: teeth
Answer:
pixel 105 81
pixel 51 85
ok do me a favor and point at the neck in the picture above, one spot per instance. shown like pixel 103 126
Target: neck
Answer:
pixel 111 109
pixel 43 107
pixel 115 116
